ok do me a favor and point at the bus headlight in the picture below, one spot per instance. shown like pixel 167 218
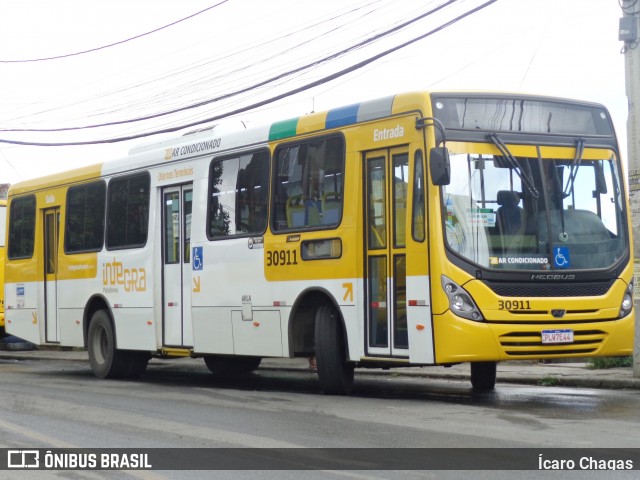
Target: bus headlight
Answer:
pixel 627 302
pixel 460 302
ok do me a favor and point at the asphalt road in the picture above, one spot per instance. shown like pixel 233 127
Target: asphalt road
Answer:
pixel 60 404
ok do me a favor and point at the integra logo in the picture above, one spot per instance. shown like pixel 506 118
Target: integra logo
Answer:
pixel 115 275
pixel 551 276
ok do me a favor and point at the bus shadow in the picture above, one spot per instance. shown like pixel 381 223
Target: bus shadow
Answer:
pixel 306 382
pixel 546 401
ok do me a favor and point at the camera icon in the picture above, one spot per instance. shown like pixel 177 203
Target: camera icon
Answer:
pixel 23 459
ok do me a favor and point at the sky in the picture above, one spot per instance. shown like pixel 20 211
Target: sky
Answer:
pixel 549 47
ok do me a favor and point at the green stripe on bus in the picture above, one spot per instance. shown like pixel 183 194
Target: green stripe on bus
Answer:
pixel 284 129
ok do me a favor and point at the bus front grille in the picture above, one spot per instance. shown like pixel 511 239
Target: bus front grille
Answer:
pixel 591 289
pixel 519 344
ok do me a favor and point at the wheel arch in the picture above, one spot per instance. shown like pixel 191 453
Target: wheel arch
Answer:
pixel 95 303
pixel 301 325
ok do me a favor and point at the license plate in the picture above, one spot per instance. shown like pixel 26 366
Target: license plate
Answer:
pixel 557 336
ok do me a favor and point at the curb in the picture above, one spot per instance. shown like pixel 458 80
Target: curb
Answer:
pixel 551 380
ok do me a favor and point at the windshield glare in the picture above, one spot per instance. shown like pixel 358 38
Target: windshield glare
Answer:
pixel 535 213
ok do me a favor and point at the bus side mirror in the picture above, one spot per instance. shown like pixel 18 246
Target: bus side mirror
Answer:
pixel 439 166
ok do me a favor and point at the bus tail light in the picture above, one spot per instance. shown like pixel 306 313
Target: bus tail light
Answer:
pixel 460 302
pixel 627 301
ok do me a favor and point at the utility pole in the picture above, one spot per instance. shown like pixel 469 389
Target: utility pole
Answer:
pixel 629 34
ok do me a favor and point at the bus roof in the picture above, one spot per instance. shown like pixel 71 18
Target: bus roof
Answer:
pixel 235 134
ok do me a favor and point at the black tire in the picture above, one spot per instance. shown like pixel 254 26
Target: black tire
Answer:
pixel 231 366
pixel 334 371
pixel 136 363
pixel 106 361
pixel 483 376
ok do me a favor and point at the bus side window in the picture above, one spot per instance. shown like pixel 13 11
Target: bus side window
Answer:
pixel 252 189
pixel 128 199
pixel 22 222
pixel 331 207
pixel 309 184
pixel 85 218
pixel 238 188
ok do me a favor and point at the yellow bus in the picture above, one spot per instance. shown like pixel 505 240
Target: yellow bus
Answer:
pixel 3 223
pixel 421 229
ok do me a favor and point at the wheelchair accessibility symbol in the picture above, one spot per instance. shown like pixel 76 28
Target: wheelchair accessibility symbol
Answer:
pixel 561 257
pixel 197 262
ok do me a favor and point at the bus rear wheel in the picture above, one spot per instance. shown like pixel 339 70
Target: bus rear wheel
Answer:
pixel 231 366
pixel 136 363
pixel 334 371
pixel 483 376
pixel 107 361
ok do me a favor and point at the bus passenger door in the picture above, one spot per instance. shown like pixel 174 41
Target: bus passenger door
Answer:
pixel 176 266
pixel 51 240
pixel 386 184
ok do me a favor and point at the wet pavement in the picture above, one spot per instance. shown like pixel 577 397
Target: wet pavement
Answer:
pixel 573 374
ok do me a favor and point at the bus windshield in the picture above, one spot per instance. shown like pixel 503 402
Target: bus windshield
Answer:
pixel 558 209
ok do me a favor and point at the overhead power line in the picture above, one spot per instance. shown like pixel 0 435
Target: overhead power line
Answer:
pixel 263 83
pixel 166 87
pixel 267 101
pixel 205 77
pixel 82 52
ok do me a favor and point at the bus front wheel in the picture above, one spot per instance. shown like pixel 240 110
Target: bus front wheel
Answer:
pixel 334 371
pixel 483 376
pixel 106 361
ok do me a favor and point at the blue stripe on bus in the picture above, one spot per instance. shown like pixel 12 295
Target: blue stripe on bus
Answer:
pixel 339 117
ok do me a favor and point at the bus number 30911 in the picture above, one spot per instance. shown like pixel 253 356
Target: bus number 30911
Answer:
pixel 280 258
pixel 514 305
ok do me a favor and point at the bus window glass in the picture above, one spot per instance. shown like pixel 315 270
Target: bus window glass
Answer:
pixel 128 217
pixel 85 218
pixel 171 227
pixel 377 230
pixel 595 189
pixel 238 189
pixel 379 333
pixel 309 184
pixel 187 201
pixel 400 191
pixel 418 210
pixel 22 223
pixel 535 213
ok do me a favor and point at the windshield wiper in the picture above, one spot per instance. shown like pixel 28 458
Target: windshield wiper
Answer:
pixel 573 171
pixel 525 177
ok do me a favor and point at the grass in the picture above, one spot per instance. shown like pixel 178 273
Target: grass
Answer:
pixel 610 362
pixel 548 381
